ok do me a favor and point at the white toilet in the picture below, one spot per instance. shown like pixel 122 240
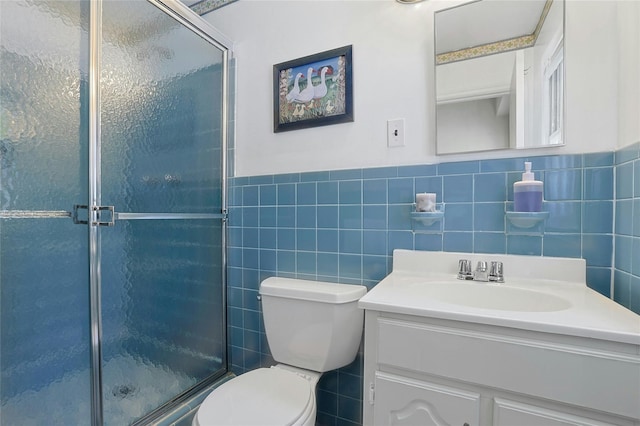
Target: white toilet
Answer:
pixel 311 327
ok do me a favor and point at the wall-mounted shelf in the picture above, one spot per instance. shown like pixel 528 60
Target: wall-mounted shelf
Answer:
pixel 428 222
pixel 427 218
pixel 531 223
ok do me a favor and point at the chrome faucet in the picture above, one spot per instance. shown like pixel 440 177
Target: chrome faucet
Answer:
pixel 464 270
pixel 494 273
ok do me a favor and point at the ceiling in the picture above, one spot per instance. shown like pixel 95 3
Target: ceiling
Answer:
pixel 486 21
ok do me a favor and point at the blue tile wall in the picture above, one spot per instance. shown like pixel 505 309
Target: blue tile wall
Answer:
pixel 626 277
pixel 342 226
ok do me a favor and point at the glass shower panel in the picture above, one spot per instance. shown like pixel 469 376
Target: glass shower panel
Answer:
pixel 44 322
pixel 43 104
pixel 162 313
pixel 44 315
pixel 161 113
pixel 161 101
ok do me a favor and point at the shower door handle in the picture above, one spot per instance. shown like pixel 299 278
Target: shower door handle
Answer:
pixel 95 215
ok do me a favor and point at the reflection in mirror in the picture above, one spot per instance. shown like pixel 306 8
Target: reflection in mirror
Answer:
pixel 499 75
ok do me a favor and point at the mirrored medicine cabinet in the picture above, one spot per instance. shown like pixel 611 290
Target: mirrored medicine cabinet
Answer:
pixel 499 75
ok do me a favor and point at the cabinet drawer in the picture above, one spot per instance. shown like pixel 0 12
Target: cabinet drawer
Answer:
pixel 403 401
pixel 509 413
pixel 596 379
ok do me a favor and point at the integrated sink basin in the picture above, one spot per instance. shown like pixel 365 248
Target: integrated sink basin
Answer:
pixel 490 296
pixel 541 294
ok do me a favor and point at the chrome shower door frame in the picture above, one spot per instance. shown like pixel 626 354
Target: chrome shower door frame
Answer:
pixel 197 25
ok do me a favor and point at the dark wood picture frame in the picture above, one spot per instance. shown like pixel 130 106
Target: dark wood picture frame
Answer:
pixel 316 90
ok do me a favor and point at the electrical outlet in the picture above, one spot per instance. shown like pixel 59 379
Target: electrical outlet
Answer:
pixel 395 132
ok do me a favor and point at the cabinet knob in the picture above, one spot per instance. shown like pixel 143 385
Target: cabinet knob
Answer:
pixel 466 424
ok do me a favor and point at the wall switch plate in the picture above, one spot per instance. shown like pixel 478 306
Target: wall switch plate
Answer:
pixel 395 132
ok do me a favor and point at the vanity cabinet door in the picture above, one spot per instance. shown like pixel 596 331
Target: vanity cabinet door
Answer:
pixel 509 413
pixel 403 401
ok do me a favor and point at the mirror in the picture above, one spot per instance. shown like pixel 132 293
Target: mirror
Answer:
pixel 499 67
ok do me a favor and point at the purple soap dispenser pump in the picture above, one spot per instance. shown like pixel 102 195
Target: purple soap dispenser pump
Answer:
pixel 527 193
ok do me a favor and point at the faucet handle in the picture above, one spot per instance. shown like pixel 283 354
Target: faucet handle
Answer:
pixel 496 273
pixel 464 269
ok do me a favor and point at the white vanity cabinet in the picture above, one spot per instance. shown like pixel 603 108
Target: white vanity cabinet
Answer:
pixel 402 401
pixel 511 413
pixel 430 371
pixel 540 349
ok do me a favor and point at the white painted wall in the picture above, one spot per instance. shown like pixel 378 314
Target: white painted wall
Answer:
pixel 468 95
pixel 629 72
pixel 393 78
pixel 478 122
pixel 591 73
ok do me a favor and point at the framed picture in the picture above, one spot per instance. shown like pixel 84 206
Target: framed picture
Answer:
pixel 316 90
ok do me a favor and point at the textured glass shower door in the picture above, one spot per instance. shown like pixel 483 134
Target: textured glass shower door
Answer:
pixel 161 160
pixel 44 266
pixel 121 103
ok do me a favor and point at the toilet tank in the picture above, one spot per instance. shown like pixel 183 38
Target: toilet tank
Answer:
pixel 310 324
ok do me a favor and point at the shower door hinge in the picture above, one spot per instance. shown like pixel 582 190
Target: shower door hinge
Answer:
pixel 99 215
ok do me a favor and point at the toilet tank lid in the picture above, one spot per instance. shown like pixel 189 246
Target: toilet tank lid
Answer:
pixel 317 291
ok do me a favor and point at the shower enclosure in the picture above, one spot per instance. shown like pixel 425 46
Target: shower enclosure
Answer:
pixel 112 209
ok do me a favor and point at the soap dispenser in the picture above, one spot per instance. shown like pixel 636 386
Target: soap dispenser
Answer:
pixel 527 193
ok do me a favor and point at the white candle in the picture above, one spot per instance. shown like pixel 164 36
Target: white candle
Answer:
pixel 426 202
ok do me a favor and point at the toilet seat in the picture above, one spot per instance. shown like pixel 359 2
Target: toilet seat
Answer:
pixel 266 396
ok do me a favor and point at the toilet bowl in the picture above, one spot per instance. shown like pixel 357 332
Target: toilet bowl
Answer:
pixel 311 327
pixel 273 396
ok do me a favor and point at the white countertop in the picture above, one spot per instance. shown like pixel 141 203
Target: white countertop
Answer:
pixel 584 312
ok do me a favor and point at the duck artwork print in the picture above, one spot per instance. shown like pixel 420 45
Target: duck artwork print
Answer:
pixel 312 90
